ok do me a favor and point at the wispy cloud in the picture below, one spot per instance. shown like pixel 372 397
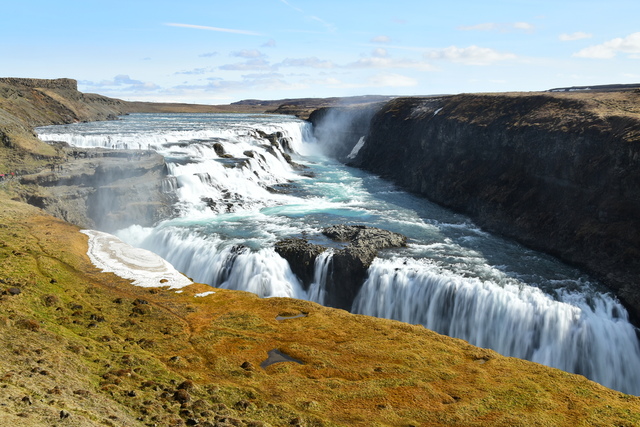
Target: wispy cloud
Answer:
pixel 311 62
pixel 472 55
pixel 249 53
pixel 380 59
pixel 609 49
pixel 249 65
pixel 381 39
pixel 330 27
pixel 579 35
pixel 123 81
pixel 221 30
pixel 501 27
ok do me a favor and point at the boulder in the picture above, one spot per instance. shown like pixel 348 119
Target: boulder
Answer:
pixel 349 265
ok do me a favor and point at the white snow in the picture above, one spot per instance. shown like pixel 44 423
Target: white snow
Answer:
pixel 145 268
pixel 356 149
pixel 204 294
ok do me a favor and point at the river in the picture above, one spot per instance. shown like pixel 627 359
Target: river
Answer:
pixel 239 191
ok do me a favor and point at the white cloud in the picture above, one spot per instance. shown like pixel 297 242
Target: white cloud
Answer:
pixel 123 82
pixel 579 35
pixel 609 49
pixel 270 43
pixel 380 53
pixel 222 30
pixel 392 80
pixel 502 27
pixel 195 71
pixel 525 26
pixel 246 53
pixel 251 64
pixel 311 62
pixel 472 55
pixel 381 39
pixel 208 55
pixel 386 62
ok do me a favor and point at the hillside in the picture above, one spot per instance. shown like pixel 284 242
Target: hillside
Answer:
pixel 85 348
pixel 89 344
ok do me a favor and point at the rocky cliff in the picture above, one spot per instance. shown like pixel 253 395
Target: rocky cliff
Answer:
pixel 558 172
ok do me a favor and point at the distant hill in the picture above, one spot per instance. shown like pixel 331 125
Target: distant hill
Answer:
pixel 598 88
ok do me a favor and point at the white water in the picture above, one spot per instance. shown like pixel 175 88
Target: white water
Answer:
pixel 453 277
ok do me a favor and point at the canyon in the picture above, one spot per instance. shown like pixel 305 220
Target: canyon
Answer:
pixel 547 170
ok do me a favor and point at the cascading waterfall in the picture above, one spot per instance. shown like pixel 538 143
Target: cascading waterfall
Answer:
pixel 517 320
pixel 239 194
pixel 318 289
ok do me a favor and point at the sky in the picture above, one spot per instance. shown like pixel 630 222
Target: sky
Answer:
pixel 222 51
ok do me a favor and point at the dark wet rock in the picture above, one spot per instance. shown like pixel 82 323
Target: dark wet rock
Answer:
pixel 247 366
pixel 14 291
pixel 349 265
pixel 548 171
pixel 301 256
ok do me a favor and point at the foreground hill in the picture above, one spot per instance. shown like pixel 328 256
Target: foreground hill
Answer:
pixel 81 347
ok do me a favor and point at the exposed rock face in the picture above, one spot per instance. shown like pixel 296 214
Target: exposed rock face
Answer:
pixel 349 265
pixel 104 189
pixel 556 173
pixel 69 84
pixel 340 128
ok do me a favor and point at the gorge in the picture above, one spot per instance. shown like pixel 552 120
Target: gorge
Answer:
pixel 214 194
pixel 244 183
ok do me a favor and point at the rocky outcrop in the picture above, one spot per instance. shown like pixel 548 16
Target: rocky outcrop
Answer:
pixel 68 84
pixel 558 173
pixel 103 189
pixel 347 270
pixel 340 128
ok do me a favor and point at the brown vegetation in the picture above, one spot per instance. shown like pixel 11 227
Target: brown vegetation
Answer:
pixel 91 348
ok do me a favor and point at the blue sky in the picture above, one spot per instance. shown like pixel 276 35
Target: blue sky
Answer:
pixel 218 52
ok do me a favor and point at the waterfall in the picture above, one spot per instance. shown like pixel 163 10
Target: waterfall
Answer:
pixel 318 289
pixel 239 192
pixel 591 338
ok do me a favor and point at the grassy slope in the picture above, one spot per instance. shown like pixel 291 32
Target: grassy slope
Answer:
pixel 82 341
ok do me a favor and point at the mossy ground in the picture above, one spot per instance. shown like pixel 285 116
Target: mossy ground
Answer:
pixel 105 352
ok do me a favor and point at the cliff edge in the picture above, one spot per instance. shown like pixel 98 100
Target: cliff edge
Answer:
pixel 559 172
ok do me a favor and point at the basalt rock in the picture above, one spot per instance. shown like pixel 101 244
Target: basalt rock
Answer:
pixel 104 189
pixel 559 173
pixel 349 264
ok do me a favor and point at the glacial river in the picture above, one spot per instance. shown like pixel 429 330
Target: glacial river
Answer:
pixel 453 277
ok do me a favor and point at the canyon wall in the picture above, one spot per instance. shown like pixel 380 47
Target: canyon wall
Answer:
pixel 559 173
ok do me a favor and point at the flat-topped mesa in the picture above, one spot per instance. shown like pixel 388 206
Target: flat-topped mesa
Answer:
pixel 64 83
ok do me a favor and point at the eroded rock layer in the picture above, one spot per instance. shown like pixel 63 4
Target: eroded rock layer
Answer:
pixel 558 173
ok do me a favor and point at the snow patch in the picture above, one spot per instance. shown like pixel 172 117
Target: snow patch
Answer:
pixel 204 294
pixel 356 148
pixel 143 267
